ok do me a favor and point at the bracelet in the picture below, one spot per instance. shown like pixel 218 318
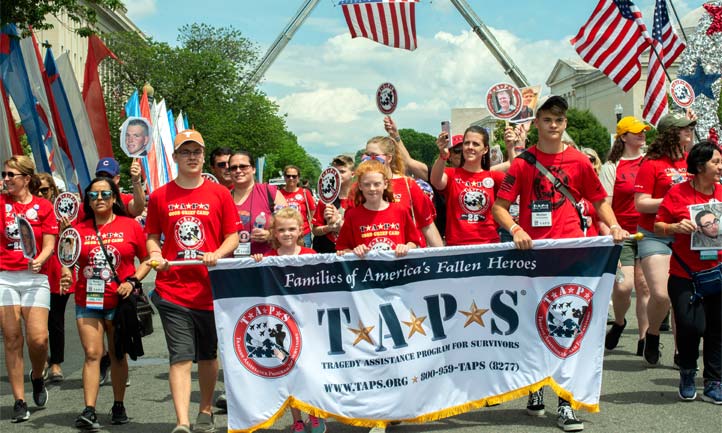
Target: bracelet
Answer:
pixel 614 226
pixel 155 251
pixel 515 228
pixel 444 158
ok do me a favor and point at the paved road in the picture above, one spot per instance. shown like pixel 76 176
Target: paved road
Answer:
pixel 634 399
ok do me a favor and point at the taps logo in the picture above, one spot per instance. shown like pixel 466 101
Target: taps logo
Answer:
pixel 267 341
pixel 563 316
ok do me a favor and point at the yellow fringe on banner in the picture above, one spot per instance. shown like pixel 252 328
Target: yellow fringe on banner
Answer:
pixel 433 416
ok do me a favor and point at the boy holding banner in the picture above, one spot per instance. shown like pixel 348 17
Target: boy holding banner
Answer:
pixel 549 179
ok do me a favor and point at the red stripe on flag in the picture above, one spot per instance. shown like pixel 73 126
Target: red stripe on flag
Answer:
pixel 371 22
pixel 384 26
pixel 349 23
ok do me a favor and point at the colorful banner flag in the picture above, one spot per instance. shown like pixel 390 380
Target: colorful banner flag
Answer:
pixel 388 22
pixel 613 39
pixel 668 46
pixel 437 333
pixel 162 126
pixel 9 141
pixel 132 106
pixel 93 95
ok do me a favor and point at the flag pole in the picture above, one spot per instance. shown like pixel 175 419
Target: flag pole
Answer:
pixel 681 27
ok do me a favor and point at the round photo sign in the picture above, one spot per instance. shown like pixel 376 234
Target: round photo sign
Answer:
pixel 504 101
pixel 210 177
pixel 69 247
pixel 682 93
pixel 135 137
pixel 67 205
pixel 386 98
pixel 329 185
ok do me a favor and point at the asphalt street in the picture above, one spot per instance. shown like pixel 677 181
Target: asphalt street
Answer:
pixel 634 398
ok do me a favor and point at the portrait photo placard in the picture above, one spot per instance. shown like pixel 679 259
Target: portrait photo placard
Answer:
pixel 707 219
pixel 135 137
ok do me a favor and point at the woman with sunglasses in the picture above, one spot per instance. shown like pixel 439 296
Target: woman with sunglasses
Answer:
pixel 24 288
pixel 617 176
pixel 111 241
pixel 695 318
pixel 252 199
pixel 299 198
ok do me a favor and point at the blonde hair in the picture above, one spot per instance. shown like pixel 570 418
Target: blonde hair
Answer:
pixel 588 151
pixel 367 167
pixel 25 165
pixel 287 213
pixel 388 145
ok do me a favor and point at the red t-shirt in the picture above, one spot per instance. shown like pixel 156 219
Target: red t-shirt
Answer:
pixel 469 198
pixel 298 200
pixel 623 194
pixel 524 180
pixel 673 209
pixel 319 220
pixel 124 240
pixel 379 230
pixel 304 250
pixel 655 177
pixel 41 216
pixel 197 219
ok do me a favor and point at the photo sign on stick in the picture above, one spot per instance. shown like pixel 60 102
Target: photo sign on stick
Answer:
pixel 682 93
pixel 69 247
pixel 386 98
pixel 329 185
pixel 135 135
pixel 66 205
pixel 27 237
pixel 503 100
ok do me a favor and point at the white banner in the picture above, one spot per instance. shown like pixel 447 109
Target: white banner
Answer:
pixel 437 333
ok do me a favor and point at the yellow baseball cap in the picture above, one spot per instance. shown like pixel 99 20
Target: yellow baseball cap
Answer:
pixel 631 124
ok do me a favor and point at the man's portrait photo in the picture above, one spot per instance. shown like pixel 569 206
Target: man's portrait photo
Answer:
pixel 529 98
pixel 707 236
pixel 135 137
pixel 503 100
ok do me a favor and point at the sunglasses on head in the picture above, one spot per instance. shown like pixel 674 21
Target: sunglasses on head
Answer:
pixel 10 174
pixel 367 157
pixel 104 195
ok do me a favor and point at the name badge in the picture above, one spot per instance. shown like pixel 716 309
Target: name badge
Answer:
pixel 242 250
pixel 708 255
pixel 94 294
pixel 541 213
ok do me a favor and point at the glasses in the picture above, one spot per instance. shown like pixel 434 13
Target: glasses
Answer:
pixel 44 190
pixel 223 164
pixel 104 195
pixel 369 156
pixel 10 174
pixel 710 224
pixel 290 176
pixel 189 153
pixel 456 150
pixel 241 167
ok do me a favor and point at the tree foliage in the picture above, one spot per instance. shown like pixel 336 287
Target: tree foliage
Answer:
pixel 421 146
pixel 34 13
pixel 202 77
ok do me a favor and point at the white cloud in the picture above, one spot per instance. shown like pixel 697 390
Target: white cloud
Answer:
pixel 337 105
pixel 138 9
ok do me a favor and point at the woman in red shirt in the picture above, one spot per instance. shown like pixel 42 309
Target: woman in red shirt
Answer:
pixel 110 243
pixel 617 176
pixel 663 166
pixel 24 289
pixel 695 318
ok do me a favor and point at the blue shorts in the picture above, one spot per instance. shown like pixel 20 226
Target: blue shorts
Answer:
pixel 653 244
pixel 87 313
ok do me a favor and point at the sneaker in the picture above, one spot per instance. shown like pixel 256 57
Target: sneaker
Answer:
pixel 712 392
pixel 567 420
pixel 221 402
pixel 298 427
pixel 181 429
pixel 104 367
pixel 640 347
pixel 687 390
pixel 651 350
pixel 378 430
pixel 40 392
pixel 535 404
pixel 20 411
pixel 204 423
pixel 87 420
pixel 316 425
pixel 615 332
pixel 118 415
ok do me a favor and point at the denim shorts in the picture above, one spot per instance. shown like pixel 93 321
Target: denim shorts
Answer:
pixel 87 313
pixel 653 244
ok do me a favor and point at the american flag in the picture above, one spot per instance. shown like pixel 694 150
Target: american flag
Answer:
pixel 388 22
pixel 613 39
pixel 669 46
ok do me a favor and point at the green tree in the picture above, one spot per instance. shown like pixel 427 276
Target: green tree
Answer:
pixel 421 146
pixel 34 13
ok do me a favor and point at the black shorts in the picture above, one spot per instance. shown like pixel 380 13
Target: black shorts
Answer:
pixel 189 334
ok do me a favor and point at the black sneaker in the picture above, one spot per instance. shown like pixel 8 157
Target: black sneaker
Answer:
pixel 40 392
pixel 87 420
pixel 615 332
pixel 118 415
pixel 104 367
pixel 20 411
pixel 640 347
pixel 567 420
pixel 535 404
pixel 651 350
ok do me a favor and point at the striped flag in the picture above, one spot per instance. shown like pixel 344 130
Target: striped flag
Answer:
pixel 388 22
pixel 613 39
pixel 669 46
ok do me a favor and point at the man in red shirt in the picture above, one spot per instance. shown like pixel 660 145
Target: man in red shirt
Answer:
pixel 199 221
pixel 135 203
pixel 545 213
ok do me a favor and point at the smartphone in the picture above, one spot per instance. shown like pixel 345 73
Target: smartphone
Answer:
pixel 446 127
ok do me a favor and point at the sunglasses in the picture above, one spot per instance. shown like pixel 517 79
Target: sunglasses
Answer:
pixel 223 164
pixel 367 157
pixel 290 176
pixel 456 150
pixel 104 195
pixel 10 174
pixel 241 167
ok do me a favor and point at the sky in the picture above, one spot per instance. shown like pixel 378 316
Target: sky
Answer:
pixel 325 82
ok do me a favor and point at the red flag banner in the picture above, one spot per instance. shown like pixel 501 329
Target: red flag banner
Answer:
pixel 388 22
pixel 93 95
pixel 613 39
pixel 669 46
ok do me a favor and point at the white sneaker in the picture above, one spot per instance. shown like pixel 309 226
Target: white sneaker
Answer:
pixel 378 430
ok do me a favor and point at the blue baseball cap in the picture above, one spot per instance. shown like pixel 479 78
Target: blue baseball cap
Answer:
pixel 108 165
